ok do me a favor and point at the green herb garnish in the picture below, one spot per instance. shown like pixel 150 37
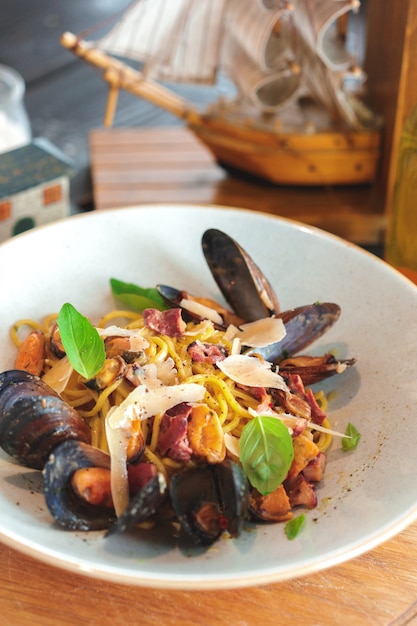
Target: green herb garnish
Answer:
pixel 83 345
pixel 351 439
pixel 266 452
pixel 138 298
pixel 294 526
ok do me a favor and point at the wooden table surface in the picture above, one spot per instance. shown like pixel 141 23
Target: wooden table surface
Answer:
pixel 65 100
pixel 378 588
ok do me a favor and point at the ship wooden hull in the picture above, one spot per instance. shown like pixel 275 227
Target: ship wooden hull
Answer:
pixel 287 158
pixel 327 157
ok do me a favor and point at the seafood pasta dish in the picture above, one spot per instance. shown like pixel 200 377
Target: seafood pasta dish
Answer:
pixel 174 408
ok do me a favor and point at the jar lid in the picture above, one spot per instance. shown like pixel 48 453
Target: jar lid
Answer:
pixel 12 85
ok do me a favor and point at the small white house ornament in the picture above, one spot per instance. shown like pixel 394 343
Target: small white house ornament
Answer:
pixel 34 187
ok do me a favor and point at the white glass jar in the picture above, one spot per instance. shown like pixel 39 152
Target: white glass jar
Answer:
pixel 14 122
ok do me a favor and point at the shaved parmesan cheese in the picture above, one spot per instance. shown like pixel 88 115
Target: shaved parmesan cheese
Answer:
pixel 262 332
pixel 264 295
pixel 323 429
pixel 230 332
pixel 201 310
pixel 340 367
pixel 232 444
pixel 144 402
pixel 59 374
pixel 157 374
pixel 287 418
pixel 137 341
pixel 117 331
pixel 167 372
pixel 117 440
pixel 251 371
pixel 236 346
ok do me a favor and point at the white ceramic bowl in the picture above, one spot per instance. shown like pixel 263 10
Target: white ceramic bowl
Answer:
pixel 367 495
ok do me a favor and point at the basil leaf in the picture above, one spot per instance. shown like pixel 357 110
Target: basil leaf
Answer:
pixel 138 298
pixel 266 452
pixel 83 345
pixel 294 526
pixel 351 440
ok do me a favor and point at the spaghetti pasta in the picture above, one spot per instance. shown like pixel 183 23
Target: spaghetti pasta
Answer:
pixel 170 361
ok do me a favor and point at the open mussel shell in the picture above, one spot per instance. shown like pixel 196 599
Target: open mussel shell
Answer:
pixel 210 500
pixel 34 419
pixel 314 369
pixel 303 325
pixel 307 323
pixel 173 297
pixel 66 507
pixel 240 280
pixel 204 308
pixel 15 384
pixel 143 505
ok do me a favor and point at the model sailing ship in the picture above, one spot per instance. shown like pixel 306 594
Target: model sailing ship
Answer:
pixel 294 117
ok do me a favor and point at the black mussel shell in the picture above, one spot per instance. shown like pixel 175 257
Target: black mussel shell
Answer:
pixel 210 500
pixel 35 426
pixel 170 295
pixel 67 509
pixel 314 369
pixel 303 325
pixel 15 384
pixel 142 505
pixel 34 419
pixel 307 323
pixel 240 280
pixel 172 298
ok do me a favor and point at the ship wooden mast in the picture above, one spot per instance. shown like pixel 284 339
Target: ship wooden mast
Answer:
pixel 120 76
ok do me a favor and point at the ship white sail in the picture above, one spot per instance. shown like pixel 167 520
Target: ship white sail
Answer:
pixel 176 40
pixel 326 62
pixel 257 52
pixel 273 51
pixel 316 22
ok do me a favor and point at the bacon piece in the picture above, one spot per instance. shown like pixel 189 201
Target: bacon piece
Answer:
pixel 313 472
pixel 202 352
pixel 300 492
pixel 296 385
pixel 173 438
pixel 257 392
pixel 139 474
pixel 167 322
pixel 297 426
pixel 317 414
pixel 292 403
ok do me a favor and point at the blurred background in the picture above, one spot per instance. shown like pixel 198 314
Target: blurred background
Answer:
pixel 66 98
